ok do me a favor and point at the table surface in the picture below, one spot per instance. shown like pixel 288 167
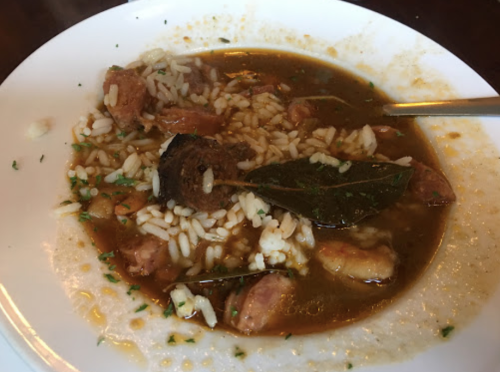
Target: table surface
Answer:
pixel 468 28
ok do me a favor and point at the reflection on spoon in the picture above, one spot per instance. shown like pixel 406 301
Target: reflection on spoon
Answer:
pixel 461 107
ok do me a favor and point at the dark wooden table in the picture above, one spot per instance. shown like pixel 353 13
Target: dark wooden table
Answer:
pixel 468 28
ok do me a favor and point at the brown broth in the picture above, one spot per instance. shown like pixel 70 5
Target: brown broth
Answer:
pixel 320 301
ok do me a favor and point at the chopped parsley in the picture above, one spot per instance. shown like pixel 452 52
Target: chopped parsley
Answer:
pixel 85 144
pixel 224 40
pixel 194 134
pixel 124 221
pixel 87 196
pixel 125 205
pixel 234 312
pixel 115 68
pixel 14 165
pixel 288 336
pixel 142 307
pixel 190 340
pixel 161 72
pixel 111 278
pixel 239 353
pixel 290 273
pixel 349 366
pixel 168 311
pixel 104 256
pixel 116 45
pixel 181 304
pixel 124 181
pixel 435 194
pixel 76 147
pixel 116 155
pixel 165 22
pixel 371 85
pixel 79 84
pixel 117 193
pixel 73 181
pixel 261 211
pixel 150 197
pixel 348 194
pixel 133 287
pixel 399 134
pixel 112 267
pixel 339 143
pixel 98 179
pixel 41 158
pixel 445 332
pixel 66 202
pixel 104 195
pixel 171 340
pixel 84 216
pixel 320 168
pixel 122 134
pixel 100 340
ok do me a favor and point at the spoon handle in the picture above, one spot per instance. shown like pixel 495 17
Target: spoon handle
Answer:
pixel 460 107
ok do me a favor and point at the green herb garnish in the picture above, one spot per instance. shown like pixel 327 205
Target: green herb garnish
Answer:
pixel 133 287
pixel 14 165
pixel 41 158
pixel 171 340
pixel 288 336
pixel 181 304
pixel 234 312
pixel 224 40
pixel 124 181
pixel 168 311
pixel 142 307
pixel 76 147
pixel 190 340
pixel 445 332
pixel 84 216
pixel 105 255
pixel 111 278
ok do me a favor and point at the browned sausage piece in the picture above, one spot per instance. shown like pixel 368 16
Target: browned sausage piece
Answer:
pixel 298 110
pixel 385 132
pixel 429 186
pixel 189 120
pixel 144 254
pixel 182 167
pixel 132 97
pixel 255 306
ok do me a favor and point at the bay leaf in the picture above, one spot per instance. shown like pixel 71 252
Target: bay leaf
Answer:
pixel 218 275
pixel 326 196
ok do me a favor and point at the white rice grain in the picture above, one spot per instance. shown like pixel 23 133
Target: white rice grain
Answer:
pixel 208 181
pixel 184 244
pixel 113 95
pixel 66 209
pixel 156 231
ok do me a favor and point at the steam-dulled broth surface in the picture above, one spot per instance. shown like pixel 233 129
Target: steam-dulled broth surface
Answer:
pixel 320 299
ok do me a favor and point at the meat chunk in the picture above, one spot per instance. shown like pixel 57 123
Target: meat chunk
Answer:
pixel 189 120
pixel 101 207
pixel 182 167
pixel 340 258
pixel 429 186
pixel 132 97
pixel 258 90
pixel 298 110
pixel 145 254
pixel 253 309
pixel 132 203
pixel 385 132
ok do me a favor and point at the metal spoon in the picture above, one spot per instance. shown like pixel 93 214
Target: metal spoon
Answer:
pixel 461 107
